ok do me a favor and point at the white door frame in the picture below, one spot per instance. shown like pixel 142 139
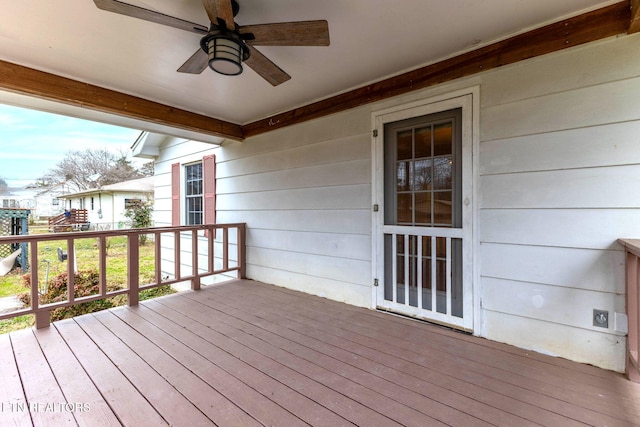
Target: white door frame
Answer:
pixel 469 101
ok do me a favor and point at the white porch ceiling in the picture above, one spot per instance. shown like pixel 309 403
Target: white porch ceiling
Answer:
pixel 370 40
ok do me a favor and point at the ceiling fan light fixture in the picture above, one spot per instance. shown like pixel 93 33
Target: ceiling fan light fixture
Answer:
pixel 226 53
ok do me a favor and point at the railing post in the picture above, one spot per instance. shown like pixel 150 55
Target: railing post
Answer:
pixel 632 287
pixel 133 268
pixel 42 316
pixel 242 251
pixel 633 301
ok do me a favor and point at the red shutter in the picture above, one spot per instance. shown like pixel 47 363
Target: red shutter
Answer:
pixel 175 194
pixel 209 182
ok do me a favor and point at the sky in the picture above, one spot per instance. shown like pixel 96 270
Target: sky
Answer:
pixel 33 142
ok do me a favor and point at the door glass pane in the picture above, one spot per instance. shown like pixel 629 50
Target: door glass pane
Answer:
pixel 405 145
pixel 423 208
pixel 442 208
pixel 442 169
pixel 402 175
pixel 423 142
pixel 443 136
pixel 405 208
pixel 422 175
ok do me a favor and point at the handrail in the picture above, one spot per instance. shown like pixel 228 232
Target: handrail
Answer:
pixel 196 233
pixel 632 250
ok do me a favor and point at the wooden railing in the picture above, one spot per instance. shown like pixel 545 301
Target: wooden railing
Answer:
pixel 632 248
pixel 68 219
pixel 214 242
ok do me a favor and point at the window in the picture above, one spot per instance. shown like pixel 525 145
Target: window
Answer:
pixel 197 205
pixel 193 194
pixel 55 202
pixel 128 203
pixel 92 203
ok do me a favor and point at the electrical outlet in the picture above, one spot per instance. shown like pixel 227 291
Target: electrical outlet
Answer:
pixel 600 318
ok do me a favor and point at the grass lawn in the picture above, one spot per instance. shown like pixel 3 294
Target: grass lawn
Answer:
pixel 86 256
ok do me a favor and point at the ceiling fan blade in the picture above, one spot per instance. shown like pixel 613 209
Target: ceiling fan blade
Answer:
pixel 302 33
pixel 149 15
pixel 220 9
pixel 196 64
pixel 266 68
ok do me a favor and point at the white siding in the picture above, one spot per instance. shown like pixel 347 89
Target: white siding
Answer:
pixel 559 162
pixel 560 168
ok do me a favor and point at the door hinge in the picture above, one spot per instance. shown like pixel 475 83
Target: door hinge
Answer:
pixel 375 133
pixel 376 208
pixel 375 282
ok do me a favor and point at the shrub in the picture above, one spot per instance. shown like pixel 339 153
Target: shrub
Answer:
pixel 86 284
pixel 140 212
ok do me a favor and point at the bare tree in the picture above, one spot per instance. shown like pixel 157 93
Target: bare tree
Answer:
pixel 91 169
pixel 4 187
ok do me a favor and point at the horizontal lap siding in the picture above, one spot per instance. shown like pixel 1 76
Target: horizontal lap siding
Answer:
pixel 559 172
pixel 306 201
pixel 305 194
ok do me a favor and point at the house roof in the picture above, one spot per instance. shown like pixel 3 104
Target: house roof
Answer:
pixel 71 57
pixel 141 185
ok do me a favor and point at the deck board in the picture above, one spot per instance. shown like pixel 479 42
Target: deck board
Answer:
pixel 246 354
pixel 405 378
pixel 131 407
pixel 477 384
pixel 77 387
pixel 11 391
pixel 40 385
pixel 325 384
pixel 213 404
pixel 164 397
pixel 270 403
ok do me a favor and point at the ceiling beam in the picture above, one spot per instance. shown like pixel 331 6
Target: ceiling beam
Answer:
pixel 31 82
pixel 588 27
pixel 634 25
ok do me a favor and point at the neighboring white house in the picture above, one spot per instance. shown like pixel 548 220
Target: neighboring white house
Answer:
pixel 106 205
pixel 42 202
pixel 523 202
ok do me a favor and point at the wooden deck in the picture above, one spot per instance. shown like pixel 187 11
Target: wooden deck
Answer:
pixel 245 353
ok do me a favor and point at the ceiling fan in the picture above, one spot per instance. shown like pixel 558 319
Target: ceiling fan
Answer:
pixel 225 45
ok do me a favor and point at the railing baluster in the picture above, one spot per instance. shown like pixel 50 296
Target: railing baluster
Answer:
pixel 211 238
pixel 158 257
pixel 419 271
pixel 133 268
pixel 448 274
pixel 394 266
pixel 71 270
pixel 102 265
pixel 225 248
pixel 434 273
pixel 407 269
pixel 176 255
pixel 195 281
